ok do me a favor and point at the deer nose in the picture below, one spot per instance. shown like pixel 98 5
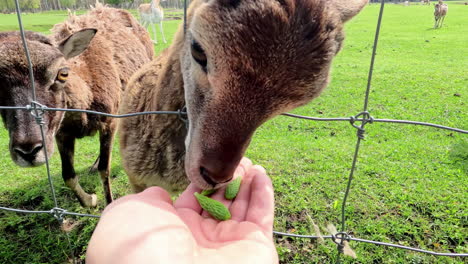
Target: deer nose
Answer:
pixel 215 178
pixel 28 151
pixel 215 172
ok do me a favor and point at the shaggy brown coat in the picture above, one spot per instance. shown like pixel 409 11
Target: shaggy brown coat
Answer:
pixel 239 64
pixel 93 80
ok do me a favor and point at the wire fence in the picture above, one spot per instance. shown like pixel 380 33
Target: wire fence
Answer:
pixel 358 121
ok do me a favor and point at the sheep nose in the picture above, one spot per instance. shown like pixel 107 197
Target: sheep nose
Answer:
pixel 28 151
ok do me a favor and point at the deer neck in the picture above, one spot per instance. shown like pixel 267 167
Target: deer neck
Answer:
pixel 155 3
pixel 169 94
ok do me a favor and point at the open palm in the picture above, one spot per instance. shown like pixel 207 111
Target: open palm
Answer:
pixel 150 228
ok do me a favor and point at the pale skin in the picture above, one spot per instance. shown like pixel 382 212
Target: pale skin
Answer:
pixel 149 227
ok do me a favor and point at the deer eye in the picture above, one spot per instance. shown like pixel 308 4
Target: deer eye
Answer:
pixel 62 75
pixel 199 55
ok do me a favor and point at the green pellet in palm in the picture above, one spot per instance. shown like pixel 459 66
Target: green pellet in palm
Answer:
pixel 213 207
pixel 208 192
pixel 233 188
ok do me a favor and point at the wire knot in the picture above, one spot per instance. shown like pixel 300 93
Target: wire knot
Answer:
pixel 37 110
pixel 339 239
pixel 366 118
pixel 58 213
pixel 182 113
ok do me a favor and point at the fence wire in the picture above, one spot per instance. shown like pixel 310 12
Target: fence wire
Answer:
pixel 364 117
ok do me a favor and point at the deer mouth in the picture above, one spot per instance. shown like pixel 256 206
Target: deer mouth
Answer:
pixel 204 174
pixel 26 161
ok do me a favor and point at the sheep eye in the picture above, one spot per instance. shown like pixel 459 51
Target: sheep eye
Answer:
pixel 62 75
pixel 199 55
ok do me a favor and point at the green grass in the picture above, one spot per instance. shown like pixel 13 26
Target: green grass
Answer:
pixel 410 182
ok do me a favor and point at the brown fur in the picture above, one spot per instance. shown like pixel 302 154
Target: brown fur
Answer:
pixel 97 78
pixel 262 58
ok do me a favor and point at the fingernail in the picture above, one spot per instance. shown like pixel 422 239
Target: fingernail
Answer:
pixel 239 172
pixel 259 168
pixel 246 162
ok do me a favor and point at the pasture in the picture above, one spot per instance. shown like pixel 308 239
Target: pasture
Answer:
pixel 410 185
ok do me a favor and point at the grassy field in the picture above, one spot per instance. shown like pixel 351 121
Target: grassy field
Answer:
pixel 410 185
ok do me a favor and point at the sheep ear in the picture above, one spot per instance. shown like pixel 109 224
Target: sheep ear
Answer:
pixel 76 43
pixel 348 8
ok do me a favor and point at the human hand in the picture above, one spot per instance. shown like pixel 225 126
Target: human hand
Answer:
pixel 149 228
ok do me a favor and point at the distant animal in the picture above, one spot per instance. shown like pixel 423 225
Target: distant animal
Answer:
pixel 440 11
pixel 86 64
pixel 426 2
pixel 151 14
pixel 239 64
pixel 406 3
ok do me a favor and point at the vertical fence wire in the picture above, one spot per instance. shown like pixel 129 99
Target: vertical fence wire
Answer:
pixel 38 114
pixel 365 114
pixel 360 136
pixel 185 16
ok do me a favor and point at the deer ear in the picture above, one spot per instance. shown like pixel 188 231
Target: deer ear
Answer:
pixel 348 8
pixel 76 43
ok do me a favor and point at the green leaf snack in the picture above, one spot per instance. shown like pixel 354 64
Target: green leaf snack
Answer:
pixel 233 188
pixel 213 207
pixel 208 192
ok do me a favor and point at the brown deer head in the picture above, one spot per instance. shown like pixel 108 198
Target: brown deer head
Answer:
pixel 247 61
pixel 50 76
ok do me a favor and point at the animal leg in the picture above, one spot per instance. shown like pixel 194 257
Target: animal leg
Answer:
pixel 106 139
pixel 162 31
pixel 145 26
pixel 441 21
pixel 143 22
pixel 154 32
pixel 94 167
pixel 66 146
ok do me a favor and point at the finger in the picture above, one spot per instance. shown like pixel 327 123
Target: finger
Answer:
pixel 261 206
pixel 202 229
pixel 241 203
pixel 133 226
pixel 150 195
pixel 188 200
pixel 155 194
pixel 246 163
